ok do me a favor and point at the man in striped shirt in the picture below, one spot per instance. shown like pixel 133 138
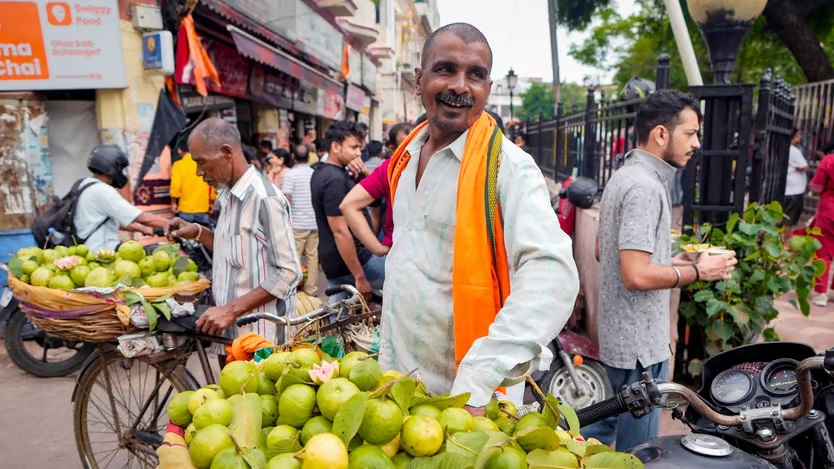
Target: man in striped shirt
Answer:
pixel 255 265
pixel 296 189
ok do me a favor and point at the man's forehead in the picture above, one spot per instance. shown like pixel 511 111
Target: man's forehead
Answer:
pixel 440 48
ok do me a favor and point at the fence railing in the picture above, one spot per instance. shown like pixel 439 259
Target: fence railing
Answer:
pixel 774 130
pixel 815 115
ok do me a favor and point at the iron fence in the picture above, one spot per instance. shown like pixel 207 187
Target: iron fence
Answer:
pixel 774 130
pixel 814 116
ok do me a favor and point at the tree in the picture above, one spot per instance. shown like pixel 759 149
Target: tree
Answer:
pixel 537 102
pixel 789 33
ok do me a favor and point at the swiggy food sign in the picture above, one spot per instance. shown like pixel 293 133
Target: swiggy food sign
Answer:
pixel 47 45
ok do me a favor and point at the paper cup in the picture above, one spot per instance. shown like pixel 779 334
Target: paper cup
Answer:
pixel 719 252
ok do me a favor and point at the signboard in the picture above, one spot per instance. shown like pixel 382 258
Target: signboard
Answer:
pixel 48 45
pixel 232 68
pixel 193 102
pixel 267 87
pixel 355 98
pixel 158 53
pixel 330 105
pixel 307 99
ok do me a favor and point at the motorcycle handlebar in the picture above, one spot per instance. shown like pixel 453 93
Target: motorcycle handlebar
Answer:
pixel 619 403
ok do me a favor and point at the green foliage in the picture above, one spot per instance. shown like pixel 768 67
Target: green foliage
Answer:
pixel 736 311
pixel 536 101
pixel 574 96
pixel 631 44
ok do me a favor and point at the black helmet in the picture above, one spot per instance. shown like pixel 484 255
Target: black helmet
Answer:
pixel 110 161
pixel 637 88
pixel 581 192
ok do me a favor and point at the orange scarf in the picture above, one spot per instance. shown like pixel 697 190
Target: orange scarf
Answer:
pixel 480 274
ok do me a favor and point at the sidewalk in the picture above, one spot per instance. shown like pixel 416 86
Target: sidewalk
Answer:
pixel 816 330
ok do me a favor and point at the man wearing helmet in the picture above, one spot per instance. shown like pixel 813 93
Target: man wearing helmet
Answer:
pixel 101 209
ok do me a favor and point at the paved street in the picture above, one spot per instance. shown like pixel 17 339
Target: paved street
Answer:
pixel 36 419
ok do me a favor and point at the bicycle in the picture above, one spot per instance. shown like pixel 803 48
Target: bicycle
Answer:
pixel 111 386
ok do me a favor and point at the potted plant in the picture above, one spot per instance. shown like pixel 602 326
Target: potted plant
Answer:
pixel 739 310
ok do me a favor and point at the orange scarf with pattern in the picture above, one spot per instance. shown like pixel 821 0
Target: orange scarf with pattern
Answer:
pixel 480 274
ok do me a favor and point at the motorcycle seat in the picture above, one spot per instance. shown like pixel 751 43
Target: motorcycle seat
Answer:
pixel 181 324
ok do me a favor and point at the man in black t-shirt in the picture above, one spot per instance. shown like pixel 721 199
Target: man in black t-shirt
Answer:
pixel 342 257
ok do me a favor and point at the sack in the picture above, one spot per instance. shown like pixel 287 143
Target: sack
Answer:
pixel 61 217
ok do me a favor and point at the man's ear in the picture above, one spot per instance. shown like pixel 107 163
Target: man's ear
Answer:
pixel 660 134
pixel 226 150
pixel 418 80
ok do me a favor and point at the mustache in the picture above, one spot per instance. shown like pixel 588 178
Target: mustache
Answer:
pixel 453 99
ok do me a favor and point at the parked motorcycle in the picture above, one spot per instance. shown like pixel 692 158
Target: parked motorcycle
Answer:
pixel 576 375
pixel 767 405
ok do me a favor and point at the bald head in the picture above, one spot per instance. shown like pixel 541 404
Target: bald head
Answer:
pixel 215 133
pixel 464 31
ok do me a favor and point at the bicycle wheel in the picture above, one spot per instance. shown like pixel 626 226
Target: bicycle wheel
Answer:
pixel 140 397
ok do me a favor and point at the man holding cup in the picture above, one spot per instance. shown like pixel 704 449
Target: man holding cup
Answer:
pixel 636 263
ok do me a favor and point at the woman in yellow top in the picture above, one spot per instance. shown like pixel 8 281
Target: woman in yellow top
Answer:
pixel 191 197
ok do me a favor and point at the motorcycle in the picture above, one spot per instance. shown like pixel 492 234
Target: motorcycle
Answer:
pixel 766 405
pixel 48 356
pixel 576 375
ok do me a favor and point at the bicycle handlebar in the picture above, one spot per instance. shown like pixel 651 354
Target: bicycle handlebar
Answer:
pixel 350 302
pixel 640 398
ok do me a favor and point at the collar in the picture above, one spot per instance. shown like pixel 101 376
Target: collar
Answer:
pixel 457 147
pixel 664 170
pixel 242 185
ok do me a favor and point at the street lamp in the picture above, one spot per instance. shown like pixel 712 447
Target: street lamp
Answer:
pixel 512 80
pixel 723 24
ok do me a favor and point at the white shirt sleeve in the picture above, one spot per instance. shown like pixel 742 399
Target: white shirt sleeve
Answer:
pixel 544 284
pixel 796 159
pixel 113 205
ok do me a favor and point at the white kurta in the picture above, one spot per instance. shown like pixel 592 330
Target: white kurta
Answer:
pixel 417 321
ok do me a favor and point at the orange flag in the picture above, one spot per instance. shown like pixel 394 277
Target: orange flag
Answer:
pixel 346 61
pixel 202 65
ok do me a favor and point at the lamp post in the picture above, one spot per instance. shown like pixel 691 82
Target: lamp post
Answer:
pixel 512 80
pixel 723 24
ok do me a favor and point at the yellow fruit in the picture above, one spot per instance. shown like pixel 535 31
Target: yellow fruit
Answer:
pixel 269 410
pixel 324 451
pixel 349 361
pixel 313 427
pixel 303 360
pixel 190 431
pixel 295 406
pixel 508 407
pixel 178 411
pixel 392 447
pixel 207 443
pixel 369 456
pixel 508 458
pixel 131 251
pixel 421 436
pixel 366 374
pixel 284 461
pixel 41 277
pixel 200 397
pixel 333 394
pixel 456 420
pixel 237 376
pixel 529 421
pixel 279 434
pixel 216 411
pixel 382 421
pixel 482 424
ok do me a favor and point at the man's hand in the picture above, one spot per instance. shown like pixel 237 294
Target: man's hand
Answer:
pixel 475 411
pixel 716 266
pixel 363 286
pixel 174 207
pixel 216 320
pixel 379 251
pixel 357 168
pixel 179 228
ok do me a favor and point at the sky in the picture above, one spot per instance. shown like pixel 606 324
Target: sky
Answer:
pixel 517 31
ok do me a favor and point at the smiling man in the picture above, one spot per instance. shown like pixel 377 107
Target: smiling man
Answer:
pixel 479 277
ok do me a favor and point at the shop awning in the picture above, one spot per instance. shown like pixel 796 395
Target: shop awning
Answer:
pixel 259 51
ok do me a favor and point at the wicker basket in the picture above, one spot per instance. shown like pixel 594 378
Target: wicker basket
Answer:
pixel 87 317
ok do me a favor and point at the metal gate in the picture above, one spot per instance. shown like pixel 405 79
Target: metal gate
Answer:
pixel 774 129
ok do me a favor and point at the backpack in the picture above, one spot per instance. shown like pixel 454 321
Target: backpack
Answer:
pixel 61 216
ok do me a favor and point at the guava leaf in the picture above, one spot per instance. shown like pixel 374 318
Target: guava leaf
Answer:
pixel 16 266
pixel 443 402
pixel 180 265
pixel 612 461
pixel 591 450
pixel 576 447
pixel 349 417
pixel 136 282
pixel 293 445
pixel 564 436
pixel 124 280
pixel 551 412
pixel 483 456
pixel 542 459
pixel 132 298
pixel 251 459
pixel 150 312
pixel 164 297
pixel 467 444
pixel 402 392
pixel 452 461
pixel 420 463
pixel 571 418
pixel 538 438
pixel 164 309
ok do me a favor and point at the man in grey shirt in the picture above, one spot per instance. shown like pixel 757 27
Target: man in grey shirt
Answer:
pixel 636 257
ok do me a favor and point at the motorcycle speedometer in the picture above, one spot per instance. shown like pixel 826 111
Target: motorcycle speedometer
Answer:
pixel 779 377
pixel 732 386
